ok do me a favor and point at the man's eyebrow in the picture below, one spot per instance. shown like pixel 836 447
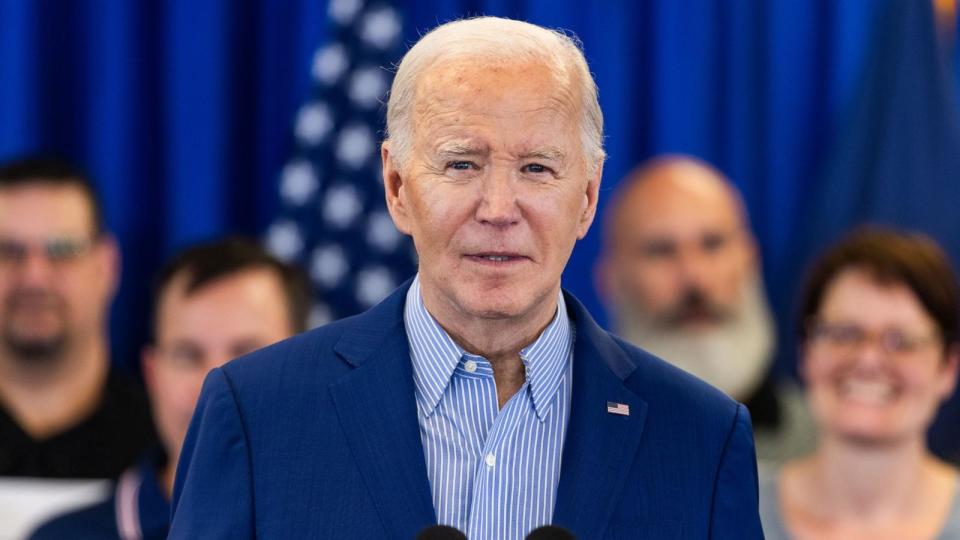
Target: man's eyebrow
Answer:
pixel 552 154
pixel 459 149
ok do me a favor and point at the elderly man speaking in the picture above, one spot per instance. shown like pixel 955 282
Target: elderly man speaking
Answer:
pixel 479 395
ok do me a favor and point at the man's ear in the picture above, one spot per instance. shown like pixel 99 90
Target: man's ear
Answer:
pixel 591 196
pixel 108 258
pixel 393 187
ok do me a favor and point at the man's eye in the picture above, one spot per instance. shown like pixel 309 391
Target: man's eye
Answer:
pixel 713 242
pixel 460 165
pixel 658 250
pixel 12 251
pixel 185 356
pixel 535 168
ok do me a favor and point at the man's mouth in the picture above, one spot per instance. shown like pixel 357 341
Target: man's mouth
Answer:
pixel 496 258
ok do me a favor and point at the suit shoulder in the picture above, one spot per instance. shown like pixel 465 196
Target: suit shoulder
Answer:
pixel 660 381
pixel 313 348
pixel 300 364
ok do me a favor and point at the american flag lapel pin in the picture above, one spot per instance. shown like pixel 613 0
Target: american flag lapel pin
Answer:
pixel 618 408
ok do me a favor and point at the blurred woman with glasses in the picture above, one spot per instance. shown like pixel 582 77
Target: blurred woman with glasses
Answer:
pixel 879 353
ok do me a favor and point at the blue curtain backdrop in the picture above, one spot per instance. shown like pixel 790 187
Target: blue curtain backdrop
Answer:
pixel 182 109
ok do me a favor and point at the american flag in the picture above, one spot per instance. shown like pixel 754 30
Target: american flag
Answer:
pixel 332 217
pixel 618 408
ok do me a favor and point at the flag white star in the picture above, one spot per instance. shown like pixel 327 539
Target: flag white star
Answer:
pixel 373 285
pixel 328 265
pixel 342 205
pixel 343 11
pixel 284 240
pixel 354 146
pixel 367 86
pixel 381 232
pixel 314 122
pixel 329 63
pixel 298 183
pixel 380 27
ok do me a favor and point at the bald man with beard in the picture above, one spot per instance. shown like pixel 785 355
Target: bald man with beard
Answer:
pixel 680 277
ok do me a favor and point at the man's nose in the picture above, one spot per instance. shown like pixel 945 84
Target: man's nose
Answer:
pixel 693 267
pixel 35 268
pixel 498 199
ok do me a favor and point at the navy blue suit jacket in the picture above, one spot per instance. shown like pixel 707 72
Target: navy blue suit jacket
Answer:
pixel 317 437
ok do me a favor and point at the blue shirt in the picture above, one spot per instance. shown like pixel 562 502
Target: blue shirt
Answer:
pixel 493 473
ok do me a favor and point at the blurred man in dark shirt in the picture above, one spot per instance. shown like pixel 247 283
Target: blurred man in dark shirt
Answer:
pixel 63 414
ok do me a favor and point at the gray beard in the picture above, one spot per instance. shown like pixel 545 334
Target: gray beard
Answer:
pixel 734 356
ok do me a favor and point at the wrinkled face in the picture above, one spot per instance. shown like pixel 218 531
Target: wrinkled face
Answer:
pixel 680 253
pixel 874 362
pixel 56 276
pixel 195 333
pixel 496 192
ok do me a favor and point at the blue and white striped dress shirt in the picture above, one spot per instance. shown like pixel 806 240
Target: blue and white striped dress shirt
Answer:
pixel 493 473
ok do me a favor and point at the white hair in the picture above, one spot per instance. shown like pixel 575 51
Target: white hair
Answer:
pixel 495 40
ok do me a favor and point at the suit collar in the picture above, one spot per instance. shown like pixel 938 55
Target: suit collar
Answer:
pixel 376 406
pixel 599 447
pixel 434 354
pixel 366 332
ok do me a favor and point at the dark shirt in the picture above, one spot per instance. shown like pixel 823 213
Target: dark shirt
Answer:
pixel 102 445
pixel 764 405
pixel 137 505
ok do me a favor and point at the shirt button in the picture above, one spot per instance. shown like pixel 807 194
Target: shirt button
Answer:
pixel 491 460
pixel 470 366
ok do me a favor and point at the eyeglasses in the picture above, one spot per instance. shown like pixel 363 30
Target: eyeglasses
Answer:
pixel 847 337
pixel 57 250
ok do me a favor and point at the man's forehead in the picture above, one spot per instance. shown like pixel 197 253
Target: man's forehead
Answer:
pixel 680 197
pixel 254 284
pixel 468 70
pixel 528 85
pixel 39 209
pixel 677 216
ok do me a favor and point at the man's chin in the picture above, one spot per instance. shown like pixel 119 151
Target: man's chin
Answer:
pixel 491 309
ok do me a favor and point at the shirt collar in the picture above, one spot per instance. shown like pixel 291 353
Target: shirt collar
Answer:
pixel 435 355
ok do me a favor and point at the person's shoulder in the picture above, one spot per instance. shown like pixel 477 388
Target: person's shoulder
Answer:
pixel 951 528
pixel 310 350
pixel 94 521
pixel 667 390
pixel 296 368
pixel 657 380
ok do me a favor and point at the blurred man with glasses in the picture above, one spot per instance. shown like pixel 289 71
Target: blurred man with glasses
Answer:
pixel 63 414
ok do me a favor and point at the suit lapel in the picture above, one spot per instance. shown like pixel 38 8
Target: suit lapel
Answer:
pixel 377 409
pixel 600 447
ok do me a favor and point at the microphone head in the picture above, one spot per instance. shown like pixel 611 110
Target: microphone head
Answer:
pixel 550 532
pixel 441 532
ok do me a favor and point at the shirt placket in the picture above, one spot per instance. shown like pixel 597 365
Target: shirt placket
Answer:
pixel 491 470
